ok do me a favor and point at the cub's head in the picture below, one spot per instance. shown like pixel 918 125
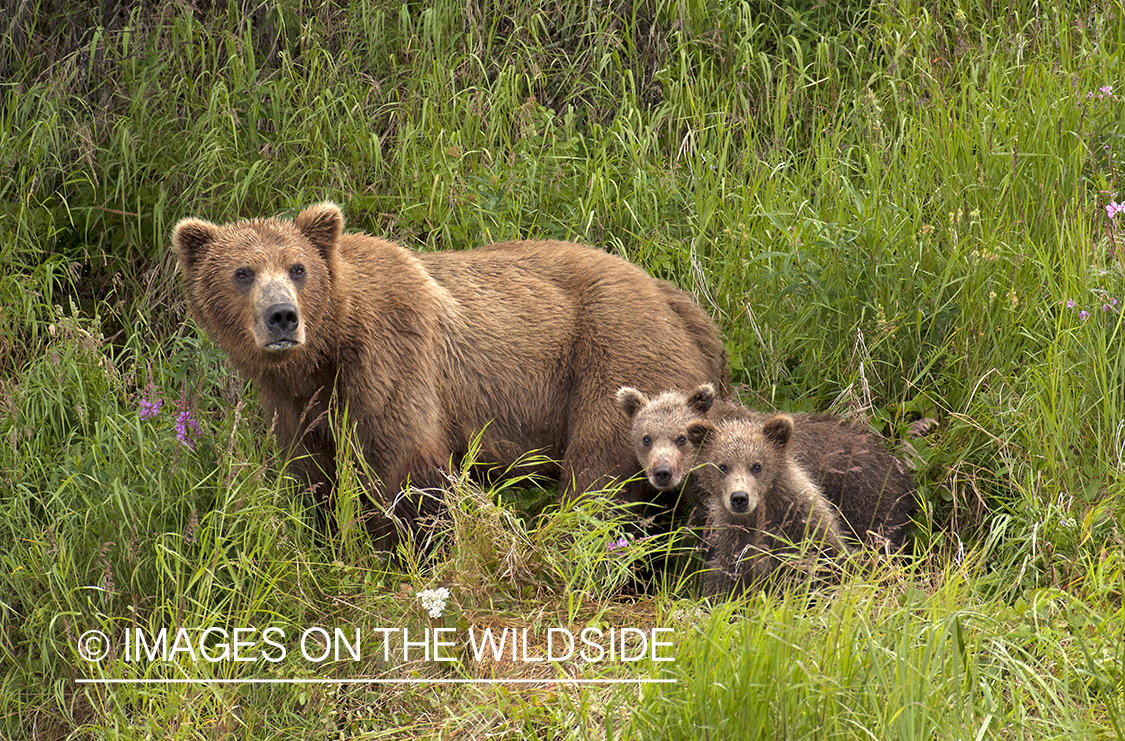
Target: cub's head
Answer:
pixel 260 287
pixel 740 462
pixel 666 431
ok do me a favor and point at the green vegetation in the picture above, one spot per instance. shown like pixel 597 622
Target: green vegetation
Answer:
pixel 894 211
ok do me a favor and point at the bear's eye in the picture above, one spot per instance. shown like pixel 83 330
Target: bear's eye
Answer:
pixel 297 272
pixel 722 468
pixel 244 276
pixel 646 441
pixel 681 441
pixel 756 468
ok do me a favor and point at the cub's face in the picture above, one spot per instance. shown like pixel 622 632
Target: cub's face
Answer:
pixel 260 287
pixel 740 461
pixel 666 431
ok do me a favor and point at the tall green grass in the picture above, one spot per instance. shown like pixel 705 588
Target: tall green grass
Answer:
pixel 904 665
pixel 893 211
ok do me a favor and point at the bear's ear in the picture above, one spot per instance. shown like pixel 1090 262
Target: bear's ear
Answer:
pixel 191 239
pixel 778 429
pixel 703 429
pixel 697 432
pixel 630 401
pixel 702 398
pixel 322 225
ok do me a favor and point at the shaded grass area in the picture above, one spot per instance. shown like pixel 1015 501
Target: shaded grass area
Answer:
pixel 893 211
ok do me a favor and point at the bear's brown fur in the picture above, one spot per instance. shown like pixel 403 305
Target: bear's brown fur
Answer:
pixel 521 343
pixel 870 487
pixel 764 512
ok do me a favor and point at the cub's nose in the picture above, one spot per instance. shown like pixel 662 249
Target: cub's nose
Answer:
pixel 282 318
pixel 662 475
pixel 739 501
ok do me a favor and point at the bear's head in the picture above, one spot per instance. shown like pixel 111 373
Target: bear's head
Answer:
pixel 262 288
pixel 740 463
pixel 666 431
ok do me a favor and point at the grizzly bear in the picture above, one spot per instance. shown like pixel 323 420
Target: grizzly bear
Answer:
pixel 765 516
pixel 872 489
pixel 520 344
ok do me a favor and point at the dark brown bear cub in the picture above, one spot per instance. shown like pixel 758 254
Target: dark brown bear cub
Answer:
pixel 765 516
pixel 522 343
pixel 870 487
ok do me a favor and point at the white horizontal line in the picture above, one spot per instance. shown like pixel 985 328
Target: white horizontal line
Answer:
pixel 296 680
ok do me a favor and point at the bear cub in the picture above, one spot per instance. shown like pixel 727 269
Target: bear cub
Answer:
pixel 765 516
pixel 871 489
pixel 666 431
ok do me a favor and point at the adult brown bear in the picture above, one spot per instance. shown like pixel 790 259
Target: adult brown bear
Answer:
pixel 522 343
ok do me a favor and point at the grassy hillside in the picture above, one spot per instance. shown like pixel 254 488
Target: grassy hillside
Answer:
pixel 893 211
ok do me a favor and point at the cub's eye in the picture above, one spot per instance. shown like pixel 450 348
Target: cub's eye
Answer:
pixel 756 468
pixel 297 272
pixel 722 468
pixel 681 440
pixel 646 441
pixel 244 276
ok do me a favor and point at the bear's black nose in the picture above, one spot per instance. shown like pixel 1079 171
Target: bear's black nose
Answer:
pixel 739 501
pixel 662 475
pixel 282 318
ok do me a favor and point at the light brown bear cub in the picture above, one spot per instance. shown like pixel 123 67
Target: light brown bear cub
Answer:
pixel 764 513
pixel 666 431
pixel 871 488
pixel 522 343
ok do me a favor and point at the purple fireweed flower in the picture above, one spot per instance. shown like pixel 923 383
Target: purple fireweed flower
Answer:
pixel 150 400
pixel 616 544
pixel 1083 314
pixel 1070 303
pixel 150 408
pixel 187 429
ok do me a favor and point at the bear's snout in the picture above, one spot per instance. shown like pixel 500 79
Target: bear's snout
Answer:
pixel 282 323
pixel 663 465
pixel 282 318
pixel 277 324
pixel 739 502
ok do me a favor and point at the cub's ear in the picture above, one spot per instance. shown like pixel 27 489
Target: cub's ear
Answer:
pixel 702 398
pixel 706 432
pixel 697 432
pixel 778 429
pixel 630 401
pixel 322 225
pixel 191 239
